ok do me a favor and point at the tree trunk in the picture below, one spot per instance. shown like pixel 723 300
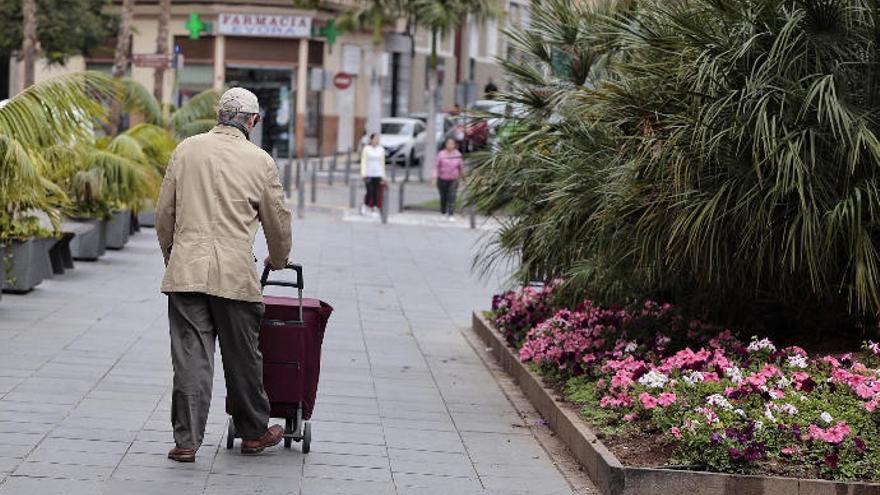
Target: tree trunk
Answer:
pixel 162 48
pixel 431 137
pixel 29 40
pixel 120 59
pixel 374 108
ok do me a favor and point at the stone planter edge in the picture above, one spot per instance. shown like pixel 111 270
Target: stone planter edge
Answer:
pixel 613 478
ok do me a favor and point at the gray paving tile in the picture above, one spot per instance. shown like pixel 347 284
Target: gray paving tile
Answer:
pixel 323 486
pixel 225 484
pixel 63 471
pixel 48 486
pixel 49 455
pixel 189 477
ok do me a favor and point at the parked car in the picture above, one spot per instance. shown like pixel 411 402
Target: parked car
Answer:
pixel 403 140
pixel 484 118
pixel 509 127
pixel 443 127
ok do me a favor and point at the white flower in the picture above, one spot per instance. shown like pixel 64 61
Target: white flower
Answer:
pixel 734 373
pixel 708 413
pixel 826 417
pixel 630 348
pixel 740 413
pixel 759 425
pixel 693 378
pixel 789 409
pixel 761 345
pixel 783 383
pixel 797 361
pixel 719 400
pixel 654 379
pixel 662 340
pixel 769 414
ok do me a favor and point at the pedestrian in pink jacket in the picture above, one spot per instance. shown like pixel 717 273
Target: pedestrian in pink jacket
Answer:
pixel 447 171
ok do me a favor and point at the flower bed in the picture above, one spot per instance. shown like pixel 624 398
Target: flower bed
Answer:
pixel 704 398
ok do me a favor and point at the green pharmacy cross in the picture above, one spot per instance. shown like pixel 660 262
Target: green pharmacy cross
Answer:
pixel 195 26
pixel 330 32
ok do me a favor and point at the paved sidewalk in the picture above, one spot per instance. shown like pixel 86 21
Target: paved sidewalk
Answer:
pixel 405 405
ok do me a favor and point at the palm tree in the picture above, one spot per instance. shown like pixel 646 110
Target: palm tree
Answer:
pixel 161 48
pixel 121 57
pixel 724 155
pixel 197 115
pixel 29 39
pixel 441 17
pixel 374 15
pixel 54 112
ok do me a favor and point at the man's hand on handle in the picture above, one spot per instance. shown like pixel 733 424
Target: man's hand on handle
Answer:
pixel 268 263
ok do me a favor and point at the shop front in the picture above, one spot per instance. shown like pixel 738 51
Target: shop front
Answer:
pixel 269 54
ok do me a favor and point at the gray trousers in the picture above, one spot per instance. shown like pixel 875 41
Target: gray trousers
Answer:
pixel 196 321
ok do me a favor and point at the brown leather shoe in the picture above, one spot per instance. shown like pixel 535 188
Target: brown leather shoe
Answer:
pixel 182 455
pixel 273 436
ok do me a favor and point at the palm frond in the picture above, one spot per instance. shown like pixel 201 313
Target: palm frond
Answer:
pixel 62 108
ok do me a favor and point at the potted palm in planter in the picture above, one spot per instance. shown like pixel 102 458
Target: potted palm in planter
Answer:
pixel 130 176
pixel 58 112
pixel 23 193
pixel 106 181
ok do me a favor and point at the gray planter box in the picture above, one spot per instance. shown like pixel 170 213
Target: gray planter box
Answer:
pixel 89 244
pixel 147 217
pixel 119 229
pixel 29 265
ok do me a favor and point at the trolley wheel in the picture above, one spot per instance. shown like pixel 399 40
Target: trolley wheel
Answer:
pixel 288 432
pixel 307 438
pixel 230 434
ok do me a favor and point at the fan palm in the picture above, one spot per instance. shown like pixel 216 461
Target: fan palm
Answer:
pixel 723 154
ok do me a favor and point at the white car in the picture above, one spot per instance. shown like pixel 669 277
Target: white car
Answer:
pixel 443 126
pixel 403 140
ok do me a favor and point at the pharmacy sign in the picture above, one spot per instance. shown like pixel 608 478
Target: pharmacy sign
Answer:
pixel 267 26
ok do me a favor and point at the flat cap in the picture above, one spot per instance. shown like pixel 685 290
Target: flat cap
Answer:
pixel 239 100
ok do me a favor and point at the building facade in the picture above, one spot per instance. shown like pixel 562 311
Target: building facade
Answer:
pixel 312 80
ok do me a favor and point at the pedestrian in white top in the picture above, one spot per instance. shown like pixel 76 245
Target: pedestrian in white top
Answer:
pixel 373 172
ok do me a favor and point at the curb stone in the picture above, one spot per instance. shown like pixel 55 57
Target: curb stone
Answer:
pixel 612 477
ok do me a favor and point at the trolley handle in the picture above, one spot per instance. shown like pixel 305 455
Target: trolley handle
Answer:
pixel 298 285
pixel 264 280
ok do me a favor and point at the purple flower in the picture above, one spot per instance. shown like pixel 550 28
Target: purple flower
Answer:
pixel 831 460
pixel 755 452
pixel 860 445
pixel 735 454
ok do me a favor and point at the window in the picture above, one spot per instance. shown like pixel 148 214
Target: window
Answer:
pixel 396 128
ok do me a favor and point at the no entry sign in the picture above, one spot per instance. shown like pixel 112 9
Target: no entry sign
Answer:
pixel 342 80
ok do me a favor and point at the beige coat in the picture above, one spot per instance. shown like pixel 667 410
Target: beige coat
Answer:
pixel 217 187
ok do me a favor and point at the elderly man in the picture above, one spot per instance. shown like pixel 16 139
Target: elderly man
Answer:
pixel 218 186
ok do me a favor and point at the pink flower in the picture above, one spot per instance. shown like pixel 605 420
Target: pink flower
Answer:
pixel 648 401
pixel 675 432
pixel 666 399
pixel 833 434
pixel 871 405
pixel 631 416
pixel 620 400
pixel 790 451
